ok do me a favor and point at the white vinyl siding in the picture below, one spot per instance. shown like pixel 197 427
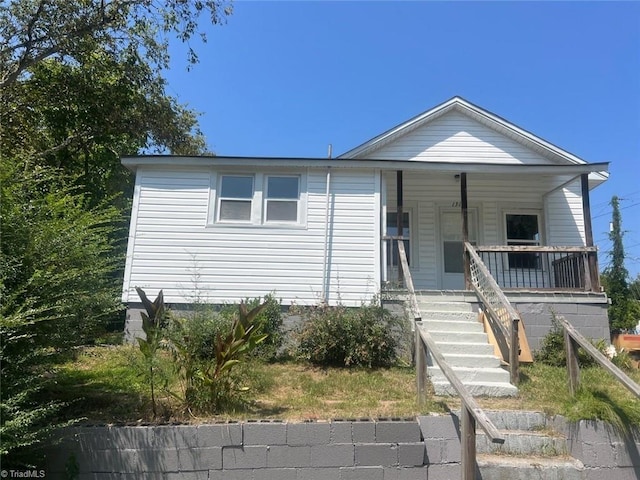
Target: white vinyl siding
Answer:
pixel 456 137
pixel 564 217
pixel 175 247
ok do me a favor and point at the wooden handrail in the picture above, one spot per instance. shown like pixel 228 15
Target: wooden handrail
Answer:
pixel 533 249
pixel 573 339
pixel 408 282
pixel 470 412
pixel 500 311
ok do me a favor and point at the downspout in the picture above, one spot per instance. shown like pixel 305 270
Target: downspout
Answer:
pixel 325 265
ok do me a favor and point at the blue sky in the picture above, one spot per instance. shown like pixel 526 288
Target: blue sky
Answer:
pixel 289 78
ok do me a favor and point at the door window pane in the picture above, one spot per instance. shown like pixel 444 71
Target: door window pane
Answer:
pixel 392 231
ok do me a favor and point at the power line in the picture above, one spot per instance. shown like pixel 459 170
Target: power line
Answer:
pixel 622 208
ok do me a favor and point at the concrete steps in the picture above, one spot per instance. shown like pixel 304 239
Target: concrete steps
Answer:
pixel 532 450
pixel 450 320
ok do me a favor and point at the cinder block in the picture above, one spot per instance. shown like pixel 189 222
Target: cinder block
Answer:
pixel 124 461
pixel 132 437
pixel 286 456
pixel 244 457
pixel 201 475
pixel 593 432
pixel 444 471
pixel 308 433
pixel 334 455
pixel 340 432
pixel 173 436
pixel 434 451
pixel 275 474
pixel 438 426
pixel 363 432
pixel 137 476
pixel 405 473
pixel 158 460
pixel 192 459
pixel 219 435
pixel 411 454
pixel 91 438
pixel 245 474
pixel 383 454
pixel 104 476
pixel 317 473
pixel 397 432
pixel 264 433
pixel 599 455
pixel 451 451
pixel 592 309
pixel 361 473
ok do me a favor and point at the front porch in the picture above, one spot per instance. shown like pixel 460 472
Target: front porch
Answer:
pixel 532 230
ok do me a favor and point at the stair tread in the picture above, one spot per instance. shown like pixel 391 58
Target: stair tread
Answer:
pixel 524 461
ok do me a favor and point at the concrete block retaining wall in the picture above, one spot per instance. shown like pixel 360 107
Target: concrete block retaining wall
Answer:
pixel 427 448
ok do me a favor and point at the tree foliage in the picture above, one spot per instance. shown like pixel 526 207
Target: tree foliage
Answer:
pixel 81 84
pixel 624 312
pixel 33 30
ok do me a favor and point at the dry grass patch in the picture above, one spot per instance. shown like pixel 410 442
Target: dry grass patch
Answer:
pixel 104 385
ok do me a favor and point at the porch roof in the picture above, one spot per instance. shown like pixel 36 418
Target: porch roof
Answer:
pixel 563 172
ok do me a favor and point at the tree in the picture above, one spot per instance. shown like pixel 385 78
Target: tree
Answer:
pixel 81 85
pixel 623 312
pixel 56 261
pixel 33 30
pixel 79 118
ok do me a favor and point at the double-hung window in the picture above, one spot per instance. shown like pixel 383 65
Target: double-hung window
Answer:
pixel 236 198
pixel 523 230
pixel 282 199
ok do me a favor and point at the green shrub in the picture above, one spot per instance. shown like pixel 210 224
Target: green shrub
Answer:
pixel 340 336
pixel 552 351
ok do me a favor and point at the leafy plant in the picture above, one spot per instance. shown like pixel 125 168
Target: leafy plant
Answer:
pixel 270 321
pixel 206 350
pixel 339 336
pixel 153 323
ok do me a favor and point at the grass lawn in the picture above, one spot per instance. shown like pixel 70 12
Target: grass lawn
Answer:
pixel 104 385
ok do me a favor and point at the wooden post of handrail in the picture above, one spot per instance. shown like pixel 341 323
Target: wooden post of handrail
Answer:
pixel 468 440
pixel 514 353
pixel 573 367
pixel 465 230
pixel 399 218
pixel 592 258
pixel 421 367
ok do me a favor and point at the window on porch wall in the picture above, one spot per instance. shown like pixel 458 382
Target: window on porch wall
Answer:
pixel 523 229
pixel 392 231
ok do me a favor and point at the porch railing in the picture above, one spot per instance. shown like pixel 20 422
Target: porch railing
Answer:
pixel 501 315
pixel 542 268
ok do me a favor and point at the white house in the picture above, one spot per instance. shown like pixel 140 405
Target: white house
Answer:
pixel 321 229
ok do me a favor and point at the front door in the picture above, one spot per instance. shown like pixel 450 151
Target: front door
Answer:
pixel 452 266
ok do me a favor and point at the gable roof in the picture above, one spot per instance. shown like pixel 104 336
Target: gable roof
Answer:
pixel 499 124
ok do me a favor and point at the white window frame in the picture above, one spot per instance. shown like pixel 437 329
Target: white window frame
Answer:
pixel 268 199
pixel 221 198
pixel 258 203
